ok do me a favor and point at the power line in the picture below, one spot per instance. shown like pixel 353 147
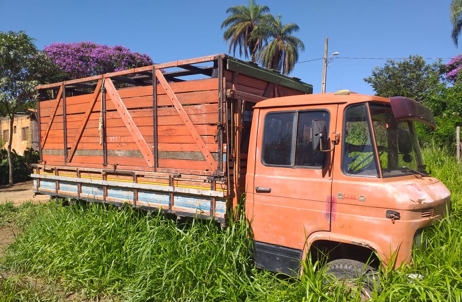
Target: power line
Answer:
pixel 311 60
pixel 365 58
pixel 370 58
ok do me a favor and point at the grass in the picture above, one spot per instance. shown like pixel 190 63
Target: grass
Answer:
pixel 129 255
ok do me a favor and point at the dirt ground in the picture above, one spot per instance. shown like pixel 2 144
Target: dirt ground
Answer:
pixel 20 193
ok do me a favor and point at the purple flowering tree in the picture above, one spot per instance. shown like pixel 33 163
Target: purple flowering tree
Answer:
pixel 453 68
pixel 84 59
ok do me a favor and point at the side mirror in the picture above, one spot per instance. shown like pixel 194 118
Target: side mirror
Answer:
pixel 320 135
pixel 404 141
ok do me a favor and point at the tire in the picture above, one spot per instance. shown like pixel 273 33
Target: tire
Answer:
pixel 354 275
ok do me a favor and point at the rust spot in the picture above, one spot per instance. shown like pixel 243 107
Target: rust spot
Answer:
pixel 331 208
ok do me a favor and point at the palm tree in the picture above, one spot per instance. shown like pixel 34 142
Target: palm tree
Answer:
pixel 281 53
pixel 456 19
pixel 240 27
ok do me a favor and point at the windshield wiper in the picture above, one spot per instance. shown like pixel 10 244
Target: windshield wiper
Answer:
pixel 406 169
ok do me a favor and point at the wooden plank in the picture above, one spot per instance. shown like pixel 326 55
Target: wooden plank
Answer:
pixel 245 80
pixel 57 159
pixel 126 161
pixel 179 87
pixel 129 123
pixel 190 110
pixel 58 101
pixel 47 105
pixel 82 108
pixel 196 97
pixel 188 98
pixel 185 139
pixel 179 164
pixel 76 139
pixel 184 116
pixel 195 119
pixel 186 147
pixel 174 130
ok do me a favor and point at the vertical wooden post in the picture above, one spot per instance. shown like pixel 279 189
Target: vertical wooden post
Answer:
pixel 64 124
pixel 155 144
pixel 458 142
pixel 102 121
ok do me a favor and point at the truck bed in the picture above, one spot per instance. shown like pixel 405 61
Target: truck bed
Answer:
pixel 169 136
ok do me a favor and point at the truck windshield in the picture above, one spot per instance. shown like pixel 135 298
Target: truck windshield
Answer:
pixel 397 145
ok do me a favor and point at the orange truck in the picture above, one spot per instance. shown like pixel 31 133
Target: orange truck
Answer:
pixel 338 175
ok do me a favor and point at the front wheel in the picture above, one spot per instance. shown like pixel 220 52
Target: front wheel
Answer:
pixel 358 278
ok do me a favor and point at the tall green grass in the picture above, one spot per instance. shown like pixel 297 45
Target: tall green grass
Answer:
pixel 129 255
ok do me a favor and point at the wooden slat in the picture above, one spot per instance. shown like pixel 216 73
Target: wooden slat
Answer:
pixel 58 100
pixel 185 139
pixel 85 120
pixel 129 123
pixel 179 164
pixel 196 119
pixel 184 116
pixel 190 110
pixel 186 147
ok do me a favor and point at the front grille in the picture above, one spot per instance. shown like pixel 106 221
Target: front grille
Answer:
pixel 426 213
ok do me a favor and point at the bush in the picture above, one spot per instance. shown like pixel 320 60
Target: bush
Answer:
pixel 22 165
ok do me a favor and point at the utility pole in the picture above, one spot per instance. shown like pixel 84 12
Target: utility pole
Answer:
pixel 324 67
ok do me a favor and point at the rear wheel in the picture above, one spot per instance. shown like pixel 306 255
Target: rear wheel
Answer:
pixel 358 278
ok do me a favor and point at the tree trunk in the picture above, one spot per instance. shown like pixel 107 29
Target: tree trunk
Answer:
pixel 8 150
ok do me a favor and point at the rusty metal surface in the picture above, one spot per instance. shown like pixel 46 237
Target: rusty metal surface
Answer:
pixel 129 123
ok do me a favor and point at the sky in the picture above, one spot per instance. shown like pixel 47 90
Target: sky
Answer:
pixel 364 32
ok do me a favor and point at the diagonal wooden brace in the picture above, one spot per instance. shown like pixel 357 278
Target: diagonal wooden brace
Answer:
pixel 129 123
pixel 52 117
pixel 186 120
pixel 85 120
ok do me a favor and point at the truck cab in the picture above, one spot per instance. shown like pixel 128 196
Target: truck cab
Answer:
pixel 338 176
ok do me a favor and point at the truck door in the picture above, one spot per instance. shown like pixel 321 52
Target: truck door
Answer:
pixel 292 186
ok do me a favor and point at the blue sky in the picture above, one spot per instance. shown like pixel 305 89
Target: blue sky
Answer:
pixel 361 31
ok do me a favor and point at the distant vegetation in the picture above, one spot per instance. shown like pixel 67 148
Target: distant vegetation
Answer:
pixel 21 165
pixel 84 59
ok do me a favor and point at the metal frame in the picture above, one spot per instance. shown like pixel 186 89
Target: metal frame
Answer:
pixel 169 189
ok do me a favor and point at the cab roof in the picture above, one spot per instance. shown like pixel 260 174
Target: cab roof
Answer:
pixel 340 97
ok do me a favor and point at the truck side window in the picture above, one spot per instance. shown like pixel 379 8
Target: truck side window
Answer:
pixel 278 139
pixel 358 150
pixel 279 146
pixel 304 154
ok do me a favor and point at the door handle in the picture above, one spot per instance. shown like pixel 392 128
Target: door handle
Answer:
pixel 262 190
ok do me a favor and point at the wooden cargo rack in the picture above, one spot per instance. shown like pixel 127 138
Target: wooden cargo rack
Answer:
pixel 159 128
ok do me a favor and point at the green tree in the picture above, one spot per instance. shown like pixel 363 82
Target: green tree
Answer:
pixel 411 77
pixel 444 101
pixel 456 19
pixel 240 26
pixel 282 51
pixel 22 66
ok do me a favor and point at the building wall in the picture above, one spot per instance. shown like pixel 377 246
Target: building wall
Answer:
pixel 23 127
